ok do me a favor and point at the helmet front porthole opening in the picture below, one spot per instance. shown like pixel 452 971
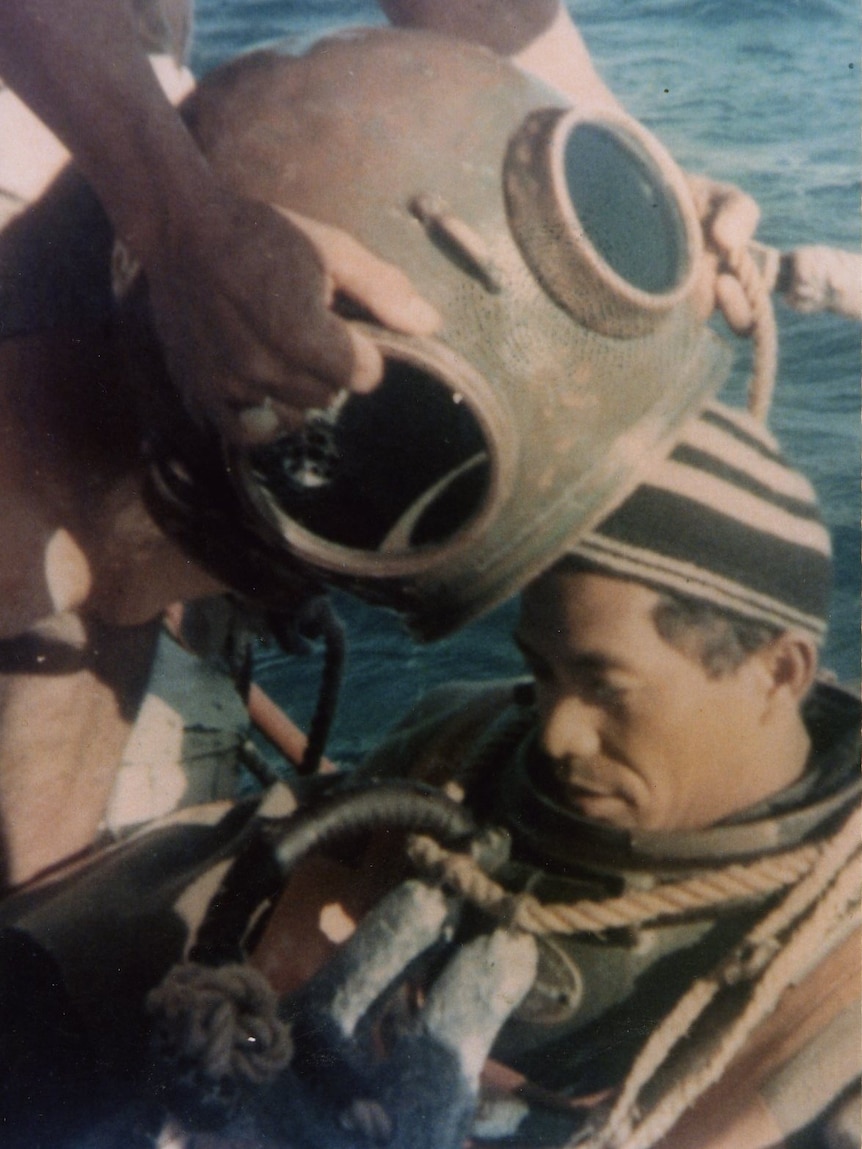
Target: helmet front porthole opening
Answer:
pixel 385 482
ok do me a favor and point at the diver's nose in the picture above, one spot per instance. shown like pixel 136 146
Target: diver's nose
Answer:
pixel 570 729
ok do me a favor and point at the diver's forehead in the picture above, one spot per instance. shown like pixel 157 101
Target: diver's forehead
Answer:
pixel 585 615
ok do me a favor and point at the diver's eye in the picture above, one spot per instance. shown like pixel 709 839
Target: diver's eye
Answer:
pixel 600 692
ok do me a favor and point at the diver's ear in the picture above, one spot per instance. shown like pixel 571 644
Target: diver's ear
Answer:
pixel 790 662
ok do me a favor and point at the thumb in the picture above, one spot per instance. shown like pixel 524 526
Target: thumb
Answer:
pixel 378 286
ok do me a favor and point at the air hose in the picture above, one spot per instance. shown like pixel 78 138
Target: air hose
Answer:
pixel 319 620
pixel 259 870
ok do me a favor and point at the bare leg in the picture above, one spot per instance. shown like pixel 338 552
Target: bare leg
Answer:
pixel 65 716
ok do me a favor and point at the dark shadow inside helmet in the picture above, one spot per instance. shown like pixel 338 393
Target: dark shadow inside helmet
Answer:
pixel 402 467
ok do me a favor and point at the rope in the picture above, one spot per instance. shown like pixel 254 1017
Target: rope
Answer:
pixel 836 852
pixel 829 923
pixel 224 1020
pixel 764 333
pixel 760 955
pixel 672 899
pixel 819 911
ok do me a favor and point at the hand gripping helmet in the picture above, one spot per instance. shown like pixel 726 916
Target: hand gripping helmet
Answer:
pixel 560 246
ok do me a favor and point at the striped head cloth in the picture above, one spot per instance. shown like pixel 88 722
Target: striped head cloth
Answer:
pixel 724 520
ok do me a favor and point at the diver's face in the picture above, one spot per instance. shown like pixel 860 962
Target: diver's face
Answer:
pixel 639 736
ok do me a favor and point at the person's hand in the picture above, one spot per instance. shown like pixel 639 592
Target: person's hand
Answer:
pixel 729 218
pixel 242 296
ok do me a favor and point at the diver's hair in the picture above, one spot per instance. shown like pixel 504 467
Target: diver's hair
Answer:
pixel 717 639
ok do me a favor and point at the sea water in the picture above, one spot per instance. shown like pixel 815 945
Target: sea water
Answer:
pixel 763 94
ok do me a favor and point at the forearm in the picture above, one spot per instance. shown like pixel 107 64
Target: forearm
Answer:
pixel 504 27
pixel 80 67
pixel 559 56
pixel 538 34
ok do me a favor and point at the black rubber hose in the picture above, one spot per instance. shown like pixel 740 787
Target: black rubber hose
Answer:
pixel 260 869
pixel 321 621
pixel 399 805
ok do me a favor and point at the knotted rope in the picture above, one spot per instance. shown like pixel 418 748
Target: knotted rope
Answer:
pixel 224 1020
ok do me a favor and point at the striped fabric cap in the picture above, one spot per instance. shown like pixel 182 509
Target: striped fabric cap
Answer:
pixel 725 520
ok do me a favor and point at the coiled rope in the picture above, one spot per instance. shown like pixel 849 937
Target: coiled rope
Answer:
pixel 810 279
pixel 820 910
pixel 223 1020
pixel 827 908
pixel 226 1022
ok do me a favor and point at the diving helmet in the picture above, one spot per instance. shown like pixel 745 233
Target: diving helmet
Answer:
pixel 558 243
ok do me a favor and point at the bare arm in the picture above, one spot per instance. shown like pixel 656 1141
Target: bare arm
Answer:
pixel 240 293
pixel 539 35
pixel 80 68
pixel 61 738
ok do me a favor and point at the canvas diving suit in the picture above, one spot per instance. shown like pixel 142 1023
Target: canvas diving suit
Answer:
pixel 597 998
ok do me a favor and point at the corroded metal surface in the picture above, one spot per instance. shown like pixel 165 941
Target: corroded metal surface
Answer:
pixel 402 139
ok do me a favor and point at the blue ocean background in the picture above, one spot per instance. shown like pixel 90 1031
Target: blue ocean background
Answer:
pixel 762 93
